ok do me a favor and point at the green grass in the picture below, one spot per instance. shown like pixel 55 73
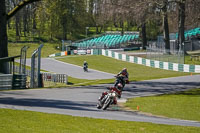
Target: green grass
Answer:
pixel 110 65
pixel 72 82
pixel 15 121
pixel 189 61
pixel 15 48
pixel 183 105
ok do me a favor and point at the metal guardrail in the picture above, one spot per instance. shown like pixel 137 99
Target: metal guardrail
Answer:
pixel 19 81
pixel 6 81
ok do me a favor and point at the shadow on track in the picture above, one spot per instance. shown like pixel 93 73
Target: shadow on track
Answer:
pixel 60 104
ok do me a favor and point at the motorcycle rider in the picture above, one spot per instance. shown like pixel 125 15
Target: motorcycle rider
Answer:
pixel 85 65
pixel 124 77
pixel 118 89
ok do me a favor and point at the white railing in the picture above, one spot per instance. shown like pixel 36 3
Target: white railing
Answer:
pixel 60 78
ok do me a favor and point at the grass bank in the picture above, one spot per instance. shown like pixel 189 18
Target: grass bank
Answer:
pixel 182 105
pixel 14 121
pixel 49 48
pixel 106 64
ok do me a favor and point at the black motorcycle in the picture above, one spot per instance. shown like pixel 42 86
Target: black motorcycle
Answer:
pixel 85 68
pixel 120 79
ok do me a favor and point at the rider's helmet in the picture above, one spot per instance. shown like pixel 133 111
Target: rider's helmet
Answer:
pixel 119 86
pixel 124 72
pixel 124 69
pixel 85 62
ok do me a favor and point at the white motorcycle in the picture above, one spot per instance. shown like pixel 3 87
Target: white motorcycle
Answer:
pixel 108 98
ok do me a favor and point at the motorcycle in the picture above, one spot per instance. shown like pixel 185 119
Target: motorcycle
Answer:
pixel 108 98
pixel 85 68
pixel 122 80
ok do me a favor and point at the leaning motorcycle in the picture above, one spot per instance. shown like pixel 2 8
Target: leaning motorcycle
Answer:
pixel 108 99
pixel 85 68
pixel 121 79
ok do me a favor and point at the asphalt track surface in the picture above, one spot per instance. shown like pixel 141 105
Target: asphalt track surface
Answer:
pixel 81 101
pixel 55 66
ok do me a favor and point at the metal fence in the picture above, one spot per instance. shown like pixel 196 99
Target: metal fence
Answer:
pixel 175 56
pixel 22 67
pixel 56 78
pixel 66 43
pixel 35 68
pixel 47 78
pixel 156 51
pixel 6 81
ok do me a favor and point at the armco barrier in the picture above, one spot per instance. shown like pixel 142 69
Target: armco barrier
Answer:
pixel 6 81
pixel 153 63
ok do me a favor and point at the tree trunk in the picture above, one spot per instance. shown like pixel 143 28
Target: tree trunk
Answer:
pixel 25 20
pixel 144 37
pixel 9 27
pixel 122 26
pixel 97 29
pixel 181 24
pixel 34 17
pixel 64 25
pixel 17 26
pixel 3 37
pixel 166 26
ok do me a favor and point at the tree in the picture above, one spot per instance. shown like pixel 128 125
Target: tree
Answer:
pixel 163 7
pixel 4 17
pixel 181 23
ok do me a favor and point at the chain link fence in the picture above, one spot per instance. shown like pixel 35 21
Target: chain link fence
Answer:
pixel 157 51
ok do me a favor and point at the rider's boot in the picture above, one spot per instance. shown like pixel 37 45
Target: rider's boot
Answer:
pixel 115 101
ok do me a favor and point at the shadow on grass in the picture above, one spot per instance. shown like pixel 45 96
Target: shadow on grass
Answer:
pixel 190 92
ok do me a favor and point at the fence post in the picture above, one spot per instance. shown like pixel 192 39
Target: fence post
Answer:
pixel 32 71
pixel 66 80
pixel 36 74
pixel 39 64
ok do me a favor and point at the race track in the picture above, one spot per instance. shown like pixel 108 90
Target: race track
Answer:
pixel 81 101
pixel 55 66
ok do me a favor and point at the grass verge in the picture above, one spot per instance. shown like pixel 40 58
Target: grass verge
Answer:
pixel 106 64
pixel 48 48
pixel 77 82
pixel 182 105
pixel 193 61
pixel 15 121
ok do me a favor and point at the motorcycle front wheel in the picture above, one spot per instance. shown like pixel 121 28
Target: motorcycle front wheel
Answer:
pixel 106 104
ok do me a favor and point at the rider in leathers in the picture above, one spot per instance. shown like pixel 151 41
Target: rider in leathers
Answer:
pixel 124 74
pixel 119 88
pixel 85 65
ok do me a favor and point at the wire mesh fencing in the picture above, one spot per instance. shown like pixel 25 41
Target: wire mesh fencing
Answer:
pixel 175 56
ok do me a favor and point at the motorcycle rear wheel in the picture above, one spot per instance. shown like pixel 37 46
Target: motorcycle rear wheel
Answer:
pixel 99 105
